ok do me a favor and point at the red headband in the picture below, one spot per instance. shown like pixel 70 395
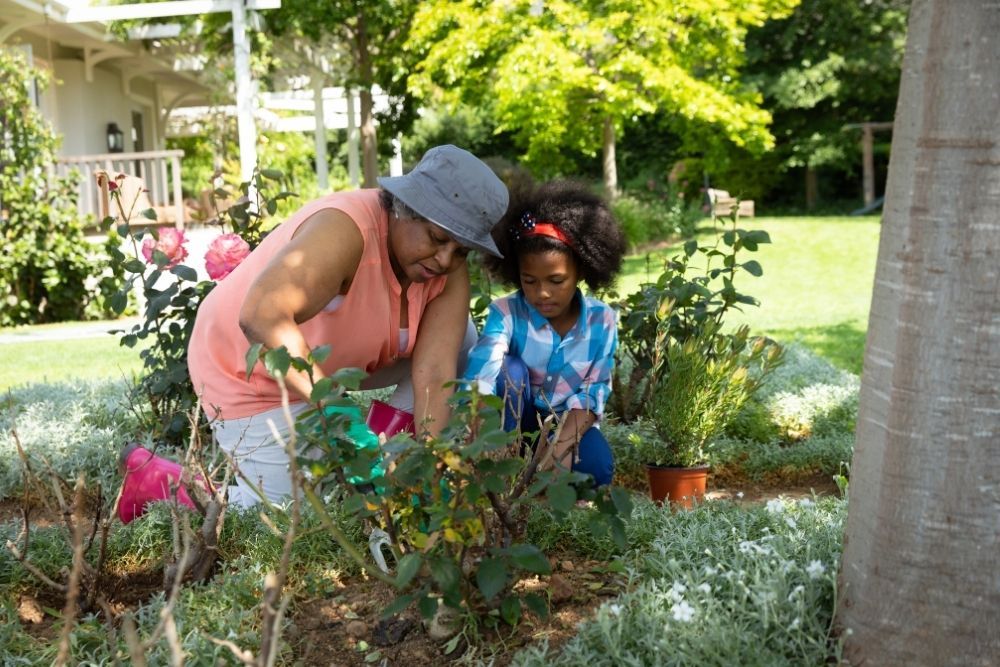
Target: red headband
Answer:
pixel 547 229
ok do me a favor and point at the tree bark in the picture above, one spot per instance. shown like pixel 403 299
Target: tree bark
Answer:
pixel 369 146
pixel 609 165
pixel 812 188
pixel 919 584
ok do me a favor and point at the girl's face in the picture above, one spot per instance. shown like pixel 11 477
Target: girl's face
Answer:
pixel 549 280
pixel 419 250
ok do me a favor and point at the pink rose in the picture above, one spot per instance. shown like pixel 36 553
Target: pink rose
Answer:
pixel 224 254
pixel 171 243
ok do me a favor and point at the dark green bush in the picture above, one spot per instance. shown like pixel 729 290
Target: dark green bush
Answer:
pixel 48 270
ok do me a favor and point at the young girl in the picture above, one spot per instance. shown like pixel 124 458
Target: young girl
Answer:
pixel 547 348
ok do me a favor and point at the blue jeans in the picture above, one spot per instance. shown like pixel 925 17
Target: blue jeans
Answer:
pixel 593 455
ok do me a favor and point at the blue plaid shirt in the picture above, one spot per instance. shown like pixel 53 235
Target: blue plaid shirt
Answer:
pixel 571 372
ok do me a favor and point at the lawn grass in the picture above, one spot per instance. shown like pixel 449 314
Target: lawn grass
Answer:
pixel 64 359
pixel 816 287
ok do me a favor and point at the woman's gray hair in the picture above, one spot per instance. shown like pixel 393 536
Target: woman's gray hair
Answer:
pixel 401 210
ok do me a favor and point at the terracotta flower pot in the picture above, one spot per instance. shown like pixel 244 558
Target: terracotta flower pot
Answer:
pixel 680 486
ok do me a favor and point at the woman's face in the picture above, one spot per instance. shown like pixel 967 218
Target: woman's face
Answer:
pixel 548 280
pixel 420 250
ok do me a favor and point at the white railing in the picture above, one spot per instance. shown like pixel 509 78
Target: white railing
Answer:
pixel 159 170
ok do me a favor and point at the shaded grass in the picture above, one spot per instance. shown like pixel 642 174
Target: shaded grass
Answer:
pixel 53 361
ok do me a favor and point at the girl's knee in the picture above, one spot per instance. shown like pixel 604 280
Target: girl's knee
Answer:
pixel 596 458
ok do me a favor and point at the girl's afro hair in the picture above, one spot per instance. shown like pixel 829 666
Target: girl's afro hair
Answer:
pixel 597 241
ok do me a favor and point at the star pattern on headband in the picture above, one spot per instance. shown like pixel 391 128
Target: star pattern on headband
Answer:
pixel 524 225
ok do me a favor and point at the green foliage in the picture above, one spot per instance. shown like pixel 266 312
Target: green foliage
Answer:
pixel 720 585
pixel 172 294
pixel 48 271
pixel 699 386
pixel 684 300
pixel 553 73
pixel 656 214
pixel 455 506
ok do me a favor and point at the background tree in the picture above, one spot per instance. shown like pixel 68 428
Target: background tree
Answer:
pixel 919 576
pixel 566 75
pixel 828 63
pixel 370 36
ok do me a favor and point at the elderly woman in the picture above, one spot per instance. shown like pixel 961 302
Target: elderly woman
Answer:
pixel 379 275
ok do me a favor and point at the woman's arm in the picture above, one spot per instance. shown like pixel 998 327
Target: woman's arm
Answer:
pixel 435 355
pixel 317 264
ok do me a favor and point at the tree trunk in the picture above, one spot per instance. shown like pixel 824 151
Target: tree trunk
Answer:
pixel 812 188
pixel 369 147
pixel 919 584
pixel 608 162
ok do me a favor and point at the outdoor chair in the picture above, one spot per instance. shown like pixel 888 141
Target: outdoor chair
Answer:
pixel 722 204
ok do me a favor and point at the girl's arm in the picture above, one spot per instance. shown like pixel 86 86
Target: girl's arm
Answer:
pixel 435 355
pixel 486 358
pixel 316 265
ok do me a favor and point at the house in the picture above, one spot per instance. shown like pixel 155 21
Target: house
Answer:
pixel 108 99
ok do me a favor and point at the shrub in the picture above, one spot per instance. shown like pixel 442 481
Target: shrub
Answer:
pixel 47 268
pixel 720 585
pixel 650 217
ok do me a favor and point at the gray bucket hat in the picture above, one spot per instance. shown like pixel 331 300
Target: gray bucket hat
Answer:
pixel 453 189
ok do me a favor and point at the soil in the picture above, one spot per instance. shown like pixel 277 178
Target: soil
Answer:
pixel 346 630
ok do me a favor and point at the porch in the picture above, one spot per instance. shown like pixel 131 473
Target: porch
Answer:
pixel 160 184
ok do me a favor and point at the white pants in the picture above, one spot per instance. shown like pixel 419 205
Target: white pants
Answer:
pixel 263 460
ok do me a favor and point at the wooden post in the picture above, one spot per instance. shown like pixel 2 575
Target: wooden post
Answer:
pixel 868 162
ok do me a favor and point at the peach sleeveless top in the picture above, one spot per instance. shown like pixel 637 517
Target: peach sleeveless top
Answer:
pixel 362 329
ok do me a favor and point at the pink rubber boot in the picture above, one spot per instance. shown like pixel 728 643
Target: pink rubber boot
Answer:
pixel 148 478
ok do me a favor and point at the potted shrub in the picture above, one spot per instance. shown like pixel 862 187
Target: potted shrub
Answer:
pixel 697 387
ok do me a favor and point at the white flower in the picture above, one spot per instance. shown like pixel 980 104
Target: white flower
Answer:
pixel 806 502
pixel 739 494
pixel 815 569
pixel 795 624
pixel 790 521
pixel 682 611
pixel 710 571
pixel 705 588
pixel 775 506
pixel 615 609
pixel 796 592
pixel 676 592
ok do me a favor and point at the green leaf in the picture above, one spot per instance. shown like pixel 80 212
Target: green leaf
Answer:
pixel 407 568
pixel 320 354
pixel 729 237
pixel 618 532
pixel 753 268
pixel 537 605
pixel 272 174
pixel 529 557
pixel 185 273
pixel 622 500
pixel 491 577
pixel 321 389
pixel 428 606
pixel 253 354
pixel 135 265
pixel 445 573
pixel 510 609
pixel 397 605
pixel 118 302
pixel 277 361
pixel 149 214
pixel 561 497
pixel 691 247
pixel 349 378
pixel 272 206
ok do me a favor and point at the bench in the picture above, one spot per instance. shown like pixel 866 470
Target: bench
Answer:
pixel 723 202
